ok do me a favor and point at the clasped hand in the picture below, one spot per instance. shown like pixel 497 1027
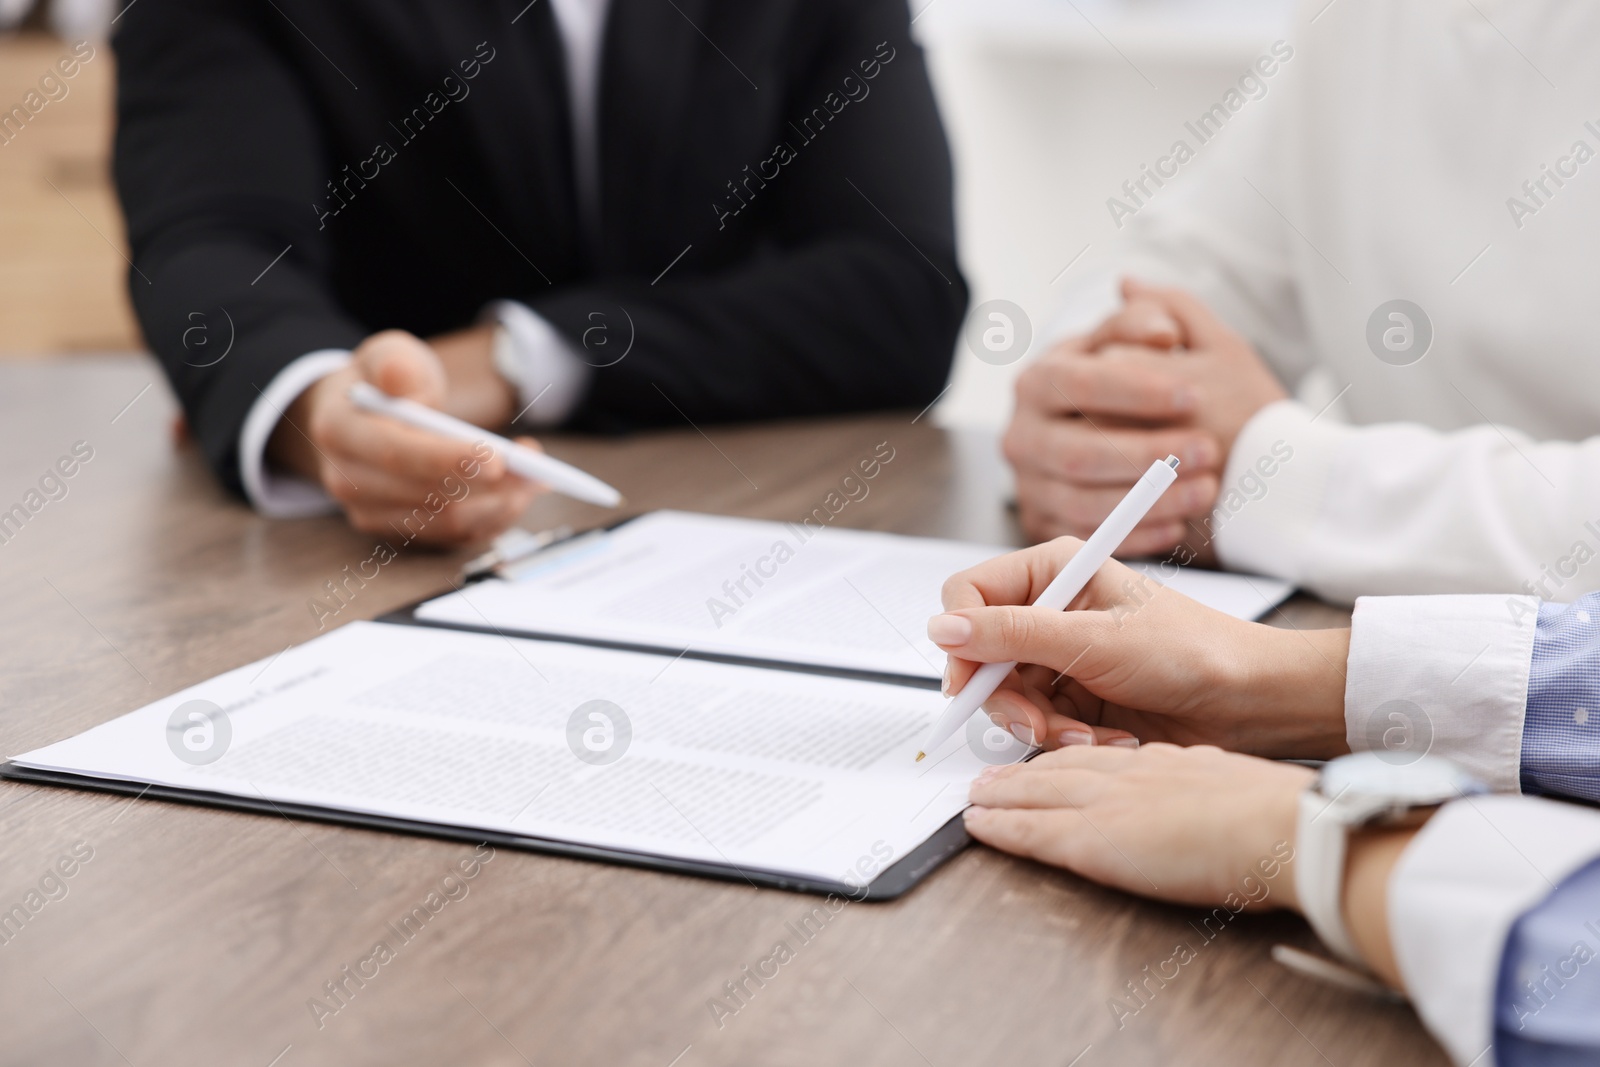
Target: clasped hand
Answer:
pixel 1163 376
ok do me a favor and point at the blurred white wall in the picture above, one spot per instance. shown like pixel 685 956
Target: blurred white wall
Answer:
pixel 1050 106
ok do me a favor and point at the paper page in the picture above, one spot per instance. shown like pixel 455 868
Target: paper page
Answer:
pixel 1244 596
pixel 819 596
pixel 758 768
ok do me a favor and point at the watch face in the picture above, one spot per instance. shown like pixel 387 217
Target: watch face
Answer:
pixel 1428 780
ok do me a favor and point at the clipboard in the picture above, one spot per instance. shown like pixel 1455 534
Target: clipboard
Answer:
pixel 895 880
pixel 493 564
pixel 889 884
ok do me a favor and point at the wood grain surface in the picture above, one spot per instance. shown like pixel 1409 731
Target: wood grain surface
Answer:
pixel 197 936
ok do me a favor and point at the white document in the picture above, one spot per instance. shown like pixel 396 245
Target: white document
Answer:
pixel 756 768
pixel 779 592
pixel 1244 596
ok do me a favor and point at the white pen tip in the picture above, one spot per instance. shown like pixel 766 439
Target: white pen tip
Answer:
pixel 1172 461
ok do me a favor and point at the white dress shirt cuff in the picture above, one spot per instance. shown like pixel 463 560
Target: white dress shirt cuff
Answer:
pixel 1264 522
pixel 1456 891
pixel 550 375
pixel 1446 675
pixel 277 495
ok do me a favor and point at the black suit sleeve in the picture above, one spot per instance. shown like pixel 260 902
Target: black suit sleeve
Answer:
pixel 837 290
pixel 218 160
pixel 856 306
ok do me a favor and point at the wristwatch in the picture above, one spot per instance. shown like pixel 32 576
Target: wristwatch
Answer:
pixel 507 362
pixel 1366 789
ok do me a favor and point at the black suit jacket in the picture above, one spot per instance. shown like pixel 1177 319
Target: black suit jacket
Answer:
pixel 775 235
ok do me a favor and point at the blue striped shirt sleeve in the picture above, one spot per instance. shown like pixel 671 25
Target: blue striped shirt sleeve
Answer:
pixel 1547 1006
pixel 1561 728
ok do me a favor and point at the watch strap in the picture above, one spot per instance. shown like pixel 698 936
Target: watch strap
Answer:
pixel 1321 838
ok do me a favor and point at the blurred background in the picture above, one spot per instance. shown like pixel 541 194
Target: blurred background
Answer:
pixel 1049 105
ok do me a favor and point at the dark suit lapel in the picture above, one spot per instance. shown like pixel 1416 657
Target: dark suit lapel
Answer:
pixel 531 135
pixel 650 61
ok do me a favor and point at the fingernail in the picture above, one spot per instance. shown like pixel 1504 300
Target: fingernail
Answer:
pixel 1185 398
pixel 944 686
pixel 1022 732
pixel 949 630
pixel 1200 454
pixel 975 813
pixel 1076 737
pixel 988 773
pixel 1124 742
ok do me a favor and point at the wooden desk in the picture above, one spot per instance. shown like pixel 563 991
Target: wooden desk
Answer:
pixel 198 936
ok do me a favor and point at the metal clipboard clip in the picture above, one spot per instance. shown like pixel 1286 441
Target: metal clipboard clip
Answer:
pixel 511 547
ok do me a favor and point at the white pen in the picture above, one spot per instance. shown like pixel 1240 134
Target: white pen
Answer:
pixel 1059 593
pixel 521 460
